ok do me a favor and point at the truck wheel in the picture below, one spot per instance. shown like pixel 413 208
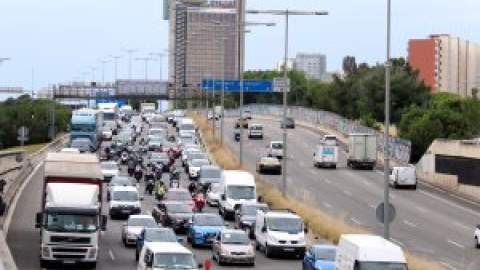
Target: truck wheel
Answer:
pixel 268 254
pixel 257 245
pixel 477 245
pixel 414 187
pixel 92 265
pixel 44 264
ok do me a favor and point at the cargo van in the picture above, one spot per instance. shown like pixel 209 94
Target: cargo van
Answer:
pixel 364 252
pixel 186 125
pixel 403 177
pixel 236 187
pixel 325 156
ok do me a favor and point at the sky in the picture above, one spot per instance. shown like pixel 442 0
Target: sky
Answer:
pixel 54 41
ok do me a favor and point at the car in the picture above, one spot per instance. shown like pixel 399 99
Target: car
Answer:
pixel 120 180
pixel 242 122
pixel 255 131
pixel 329 140
pixel 176 215
pixel 245 216
pixel 109 170
pixel 186 152
pixel 170 148
pixel 403 177
pixel 186 138
pixel 157 158
pixel 233 247
pixel 154 143
pixel 107 133
pixel 70 150
pixel 275 149
pixel 124 201
pixel 209 174
pixel 134 226
pixel 203 228
pixel 288 122
pixel 154 234
pixel 83 145
pixel 269 165
pixel 213 194
pixel 477 237
pixel 157 132
pixel 247 114
pixel 166 256
pixel 194 155
pixel 179 195
pixel 319 257
pixel 194 168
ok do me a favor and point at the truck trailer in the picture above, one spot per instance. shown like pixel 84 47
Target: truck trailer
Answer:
pixel 362 151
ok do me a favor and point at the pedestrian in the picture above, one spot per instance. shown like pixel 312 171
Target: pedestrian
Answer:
pixel 207 264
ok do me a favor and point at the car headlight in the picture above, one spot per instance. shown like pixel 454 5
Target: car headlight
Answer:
pixel 224 252
pixel 92 253
pixel 246 223
pixel 199 233
pixel 271 239
pixel 250 252
pixel 45 252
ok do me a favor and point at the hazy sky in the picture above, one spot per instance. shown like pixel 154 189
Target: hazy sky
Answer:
pixel 60 39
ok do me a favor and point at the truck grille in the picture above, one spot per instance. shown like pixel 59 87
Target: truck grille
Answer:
pixel 239 253
pixel 68 256
pixel 69 250
pixel 69 239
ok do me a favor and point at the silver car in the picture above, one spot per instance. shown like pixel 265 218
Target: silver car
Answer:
pixel 134 226
pixel 233 247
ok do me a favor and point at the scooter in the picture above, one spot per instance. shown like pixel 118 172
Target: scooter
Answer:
pixel 138 174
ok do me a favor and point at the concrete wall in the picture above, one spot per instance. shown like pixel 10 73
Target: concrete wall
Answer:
pixel 10 165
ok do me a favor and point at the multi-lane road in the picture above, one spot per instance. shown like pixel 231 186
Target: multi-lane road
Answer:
pixel 23 238
pixel 429 221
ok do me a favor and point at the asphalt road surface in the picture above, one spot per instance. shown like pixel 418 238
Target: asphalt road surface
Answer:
pixel 23 238
pixel 429 221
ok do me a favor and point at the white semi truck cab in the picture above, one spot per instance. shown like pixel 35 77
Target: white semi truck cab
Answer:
pixel 70 224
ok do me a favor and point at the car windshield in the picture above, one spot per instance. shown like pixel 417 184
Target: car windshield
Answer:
pixel 159 156
pixel 325 254
pixel 200 162
pixel 155 131
pixel 210 173
pixel 187 140
pixel 256 128
pixel 125 196
pixel 251 210
pixel 143 222
pixel 196 156
pixel 208 220
pixel 179 208
pixel 80 144
pixel 174 261
pixel 83 127
pixel 187 127
pixel 162 235
pixel 109 166
pixel 381 266
pixel 235 238
pixel 282 224
pixel 241 192
pixel 277 145
pixel 57 222
pixel 179 196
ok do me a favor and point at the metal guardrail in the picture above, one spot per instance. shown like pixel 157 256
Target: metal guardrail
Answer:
pixel 399 149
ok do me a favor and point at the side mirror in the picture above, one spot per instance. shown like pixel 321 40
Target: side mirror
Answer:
pixel 264 229
pixel 38 220
pixel 104 222
pixel 180 240
pixel 223 197
pixel 141 198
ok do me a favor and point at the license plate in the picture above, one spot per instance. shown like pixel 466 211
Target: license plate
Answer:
pixel 211 237
pixel 68 261
pixel 288 249
pixel 125 211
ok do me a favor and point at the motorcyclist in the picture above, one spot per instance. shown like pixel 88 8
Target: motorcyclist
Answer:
pixel 236 132
pixel 199 200
pixel 131 164
pixel 160 190
pixel 191 187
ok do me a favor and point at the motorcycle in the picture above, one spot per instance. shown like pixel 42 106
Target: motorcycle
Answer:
pixel 138 174
pixel 149 186
pixel 237 135
pixel 124 157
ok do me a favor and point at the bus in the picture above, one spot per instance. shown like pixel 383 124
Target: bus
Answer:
pixel 87 123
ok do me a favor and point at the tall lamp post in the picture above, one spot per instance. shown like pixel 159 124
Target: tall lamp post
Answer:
pixel 104 64
pixel 287 13
pixel 115 59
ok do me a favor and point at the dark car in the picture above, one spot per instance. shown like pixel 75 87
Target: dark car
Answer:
pixel 288 122
pixel 245 216
pixel 157 158
pixel 176 215
pixel 179 195
pixel 209 174
pixel 154 235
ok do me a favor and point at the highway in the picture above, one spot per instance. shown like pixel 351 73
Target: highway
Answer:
pixel 23 238
pixel 429 222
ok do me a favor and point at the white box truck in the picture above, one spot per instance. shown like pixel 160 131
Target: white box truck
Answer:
pixel 236 187
pixel 325 156
pixel 362 150
pixel 363 251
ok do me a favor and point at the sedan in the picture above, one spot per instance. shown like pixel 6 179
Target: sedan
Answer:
pixel 83 145
pixel 176 215
pixel 154 143
pixel 120 180
pixel 162 235
pixel 157 158
pixel 233 246
pixel 319 257
pixel 288 123
pixel 194 168
pixel 213 194
pixel 134 226
pixel 204 228
pixel 245 216
pixel 269 164
pixel 179 195
pixel 109 170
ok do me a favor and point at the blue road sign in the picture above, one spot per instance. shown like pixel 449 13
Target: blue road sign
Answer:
pixel 99 99
pixel 252 86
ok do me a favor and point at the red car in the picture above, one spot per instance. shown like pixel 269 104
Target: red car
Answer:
pixel 169 147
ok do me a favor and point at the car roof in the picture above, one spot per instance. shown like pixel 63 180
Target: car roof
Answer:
pixel 178 190
pixel 167 247
pixel 233 231
pixel 140 216
pixel 124 188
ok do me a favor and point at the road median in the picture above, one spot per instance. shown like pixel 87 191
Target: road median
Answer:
pixel 320 223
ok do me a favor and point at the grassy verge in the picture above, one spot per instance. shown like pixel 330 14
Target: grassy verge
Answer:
pixel 29 149
pixel 320 223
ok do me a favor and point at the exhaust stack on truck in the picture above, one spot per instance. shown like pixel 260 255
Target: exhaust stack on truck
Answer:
pixel 70 218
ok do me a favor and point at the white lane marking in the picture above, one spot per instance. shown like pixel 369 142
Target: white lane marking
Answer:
pixel 409 223
pixel 449 203
pixel 397 242
pixel 18 194
pixel 112 256
pixel 371 205
pixel 312 171
pixel 448 266
pixel 348 193
pixel 327 180
pixel 355 221
pixel 462 226
pixel 365 183
pixel 421 209
pixel 455 243
pixel 327 205
pixel 379 172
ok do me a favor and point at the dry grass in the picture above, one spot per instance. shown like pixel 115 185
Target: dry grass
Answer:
pixel 29 149
pixel 320 223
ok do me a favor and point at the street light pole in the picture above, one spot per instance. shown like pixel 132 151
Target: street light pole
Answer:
pixel 115 58
pixel 103 70
pixel 146 59
pixel 386 150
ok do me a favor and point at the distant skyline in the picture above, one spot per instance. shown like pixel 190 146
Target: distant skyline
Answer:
pixel 60 39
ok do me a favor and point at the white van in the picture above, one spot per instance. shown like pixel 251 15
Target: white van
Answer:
pixel 363 251
pixel 325 156
pixel 275 149
pixel 166 255
pixel 186 125
pixel 403 176
pixel 237 187
pixel 280 232
pixel 124 201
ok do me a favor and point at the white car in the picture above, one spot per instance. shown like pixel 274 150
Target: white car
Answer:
pixel 255 131
pixel 194 168
pixel 134 226
pixel 213 194
pixel 109 170
pixel 70 150
pixel 107 133
pixel 124 201
pixel 186 152
pixel 403 176
pixel 275 149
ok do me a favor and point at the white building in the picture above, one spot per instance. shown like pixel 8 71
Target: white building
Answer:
pixel 280 64
pixel 314 65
